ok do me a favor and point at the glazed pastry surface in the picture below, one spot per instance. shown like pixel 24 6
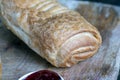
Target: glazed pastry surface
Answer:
pixel 61 36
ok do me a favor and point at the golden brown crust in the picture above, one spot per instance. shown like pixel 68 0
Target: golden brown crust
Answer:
pixel 61 36
pixel 26 3
pixel 57 30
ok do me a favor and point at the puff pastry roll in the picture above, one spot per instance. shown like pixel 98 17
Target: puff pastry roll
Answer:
pixel 61 36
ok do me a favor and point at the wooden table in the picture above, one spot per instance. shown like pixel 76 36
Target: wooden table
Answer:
pixel 0 68
pixel 18 59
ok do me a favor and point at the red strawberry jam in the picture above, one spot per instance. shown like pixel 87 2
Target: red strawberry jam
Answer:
pixel 44 75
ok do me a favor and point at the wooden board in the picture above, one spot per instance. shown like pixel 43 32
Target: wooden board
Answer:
pixel 0 68
pixel 18 59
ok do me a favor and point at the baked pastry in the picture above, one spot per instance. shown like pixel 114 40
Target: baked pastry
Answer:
pixel 61 36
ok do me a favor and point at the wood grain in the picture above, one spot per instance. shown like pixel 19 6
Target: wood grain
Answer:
pixel 18 59
pixel 0 68
pixel 0 57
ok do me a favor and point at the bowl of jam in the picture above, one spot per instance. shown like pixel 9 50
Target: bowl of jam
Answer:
pixel 42 75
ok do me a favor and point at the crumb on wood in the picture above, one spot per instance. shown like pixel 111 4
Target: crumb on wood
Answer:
pixel 106 68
